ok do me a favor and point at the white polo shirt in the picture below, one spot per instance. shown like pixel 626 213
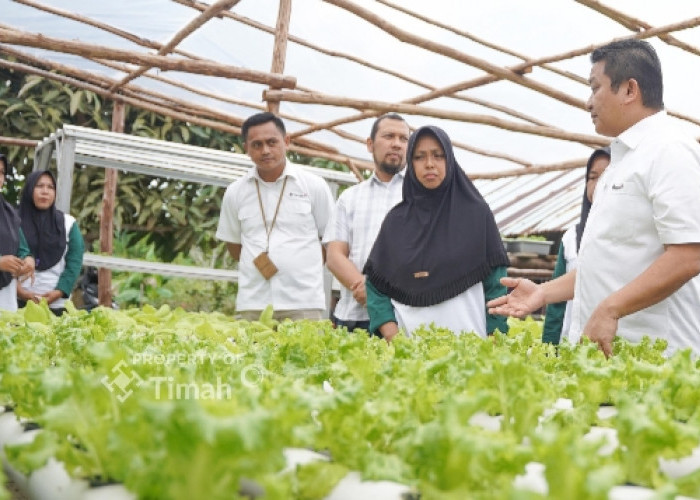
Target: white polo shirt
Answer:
pixel 648 196
pixel 295 246
pixel 356 220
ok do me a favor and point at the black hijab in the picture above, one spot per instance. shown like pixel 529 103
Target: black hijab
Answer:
pixel 586 204
pixel 45 230
pixel 448 232
pixel 9 228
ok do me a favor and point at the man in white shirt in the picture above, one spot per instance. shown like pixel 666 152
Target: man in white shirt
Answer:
pixel 358 216
pixel 272 220
pixel 640 255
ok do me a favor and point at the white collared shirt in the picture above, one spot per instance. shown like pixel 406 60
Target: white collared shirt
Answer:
pixel 649 196
pixel 295 247
pixel 356 220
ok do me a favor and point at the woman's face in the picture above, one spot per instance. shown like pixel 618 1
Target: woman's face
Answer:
pixel 429 161
pixel 599 165
pixel 44 192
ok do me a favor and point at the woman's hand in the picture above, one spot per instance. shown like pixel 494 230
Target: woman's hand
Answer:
pixel 52 296
pixel 26 295
pixel 27 269
pixel 389 330
pixel 11 264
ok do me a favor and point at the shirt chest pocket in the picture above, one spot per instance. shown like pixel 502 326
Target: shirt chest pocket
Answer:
pixel 251 224
pixel 628 208
pixel 296 214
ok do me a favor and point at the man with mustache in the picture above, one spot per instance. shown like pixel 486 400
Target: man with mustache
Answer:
pixel 358 216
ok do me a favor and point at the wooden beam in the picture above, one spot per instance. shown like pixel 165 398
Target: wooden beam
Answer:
pixel 279 51
pixel 481 41
pixel 382 69
pixel 411 109
pixel 109 194
pixel 166 63
pixel 103 26
pixel 567 165
pixel 173 113
pixel 346 160
pixel 637 25
pixel 14 141
pixel 212 11
pixel 451 52
pixel 484 80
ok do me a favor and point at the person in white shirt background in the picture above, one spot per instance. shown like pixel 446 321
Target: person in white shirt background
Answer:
pixel 358 215
pixel 640 255
pixel 272 220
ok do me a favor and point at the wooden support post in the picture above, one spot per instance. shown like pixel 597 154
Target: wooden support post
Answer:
pixel 104 275
pixel 279 52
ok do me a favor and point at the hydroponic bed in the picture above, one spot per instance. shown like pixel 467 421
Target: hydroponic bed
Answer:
pixel 167 404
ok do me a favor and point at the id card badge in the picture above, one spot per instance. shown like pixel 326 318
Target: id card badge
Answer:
pixel 266 267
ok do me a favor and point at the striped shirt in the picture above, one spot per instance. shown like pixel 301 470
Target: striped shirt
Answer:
pixel 356 220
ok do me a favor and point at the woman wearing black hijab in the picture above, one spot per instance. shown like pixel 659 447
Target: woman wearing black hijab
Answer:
pixel 439 256
pixel 15 260
pixel 55 241
pixel 557 317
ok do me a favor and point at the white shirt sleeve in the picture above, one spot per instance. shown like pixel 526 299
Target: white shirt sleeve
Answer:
pixel 322 200
pixel 229 229
pixel 674 190
pixel 337 228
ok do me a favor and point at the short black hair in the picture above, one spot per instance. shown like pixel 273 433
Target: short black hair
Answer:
pixel 625 59
pixel 259 119
pixel 386 116
pixel 5 164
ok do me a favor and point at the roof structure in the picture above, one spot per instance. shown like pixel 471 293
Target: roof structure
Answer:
pixel 506 79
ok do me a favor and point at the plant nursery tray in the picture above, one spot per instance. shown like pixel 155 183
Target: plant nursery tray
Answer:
pixel 528 246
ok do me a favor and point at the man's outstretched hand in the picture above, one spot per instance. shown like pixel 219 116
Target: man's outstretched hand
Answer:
pixel 525 297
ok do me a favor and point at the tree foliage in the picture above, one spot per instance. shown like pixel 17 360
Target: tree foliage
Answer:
pixel 177 215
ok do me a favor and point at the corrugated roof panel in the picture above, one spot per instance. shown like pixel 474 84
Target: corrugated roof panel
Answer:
pixel 535 203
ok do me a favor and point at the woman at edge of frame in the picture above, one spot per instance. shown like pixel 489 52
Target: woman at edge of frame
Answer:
pixel 55 241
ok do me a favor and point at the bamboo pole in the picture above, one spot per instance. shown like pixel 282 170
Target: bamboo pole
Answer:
pixel 13 141
pixel 279 51
pixel 567 165
pixel 411 109
pixel 103 26
pixel 213 113
pixel 368 64
pixel 166 63
pixel 337 131
pixel 447 51
pixel 479 40
pixel 339 158
pixel 104 275
pixel 129 90
pixel 212 11
pixel 491 154
pixel 224 98
pixel 636 25
pixel 23 68
pixel 483 80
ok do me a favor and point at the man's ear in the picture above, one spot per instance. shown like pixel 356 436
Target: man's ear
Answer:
pixel 287 140
pixel 370 145
pixel 632 90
